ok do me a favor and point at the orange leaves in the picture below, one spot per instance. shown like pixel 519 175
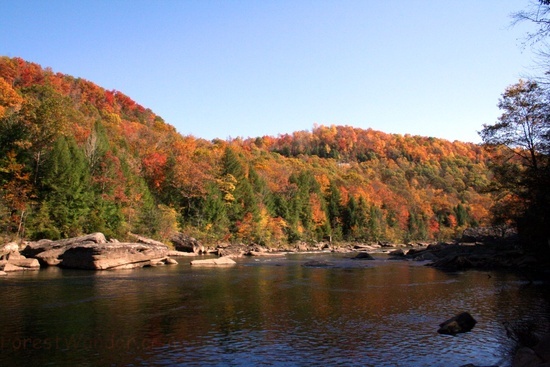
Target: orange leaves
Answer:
pixel 153 167
pixel 318 215
pixel 9 98
pixel 16 189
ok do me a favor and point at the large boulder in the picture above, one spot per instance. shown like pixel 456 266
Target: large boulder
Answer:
pixel 49 252
pixel 113 256
pixel 461 323
pixel 93 252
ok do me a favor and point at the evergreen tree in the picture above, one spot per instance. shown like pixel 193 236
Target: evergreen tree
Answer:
pixel 351 219
pixel 334 209
pixel 65 187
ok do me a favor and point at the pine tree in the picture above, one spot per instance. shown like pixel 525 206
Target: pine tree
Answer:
pixel 65 187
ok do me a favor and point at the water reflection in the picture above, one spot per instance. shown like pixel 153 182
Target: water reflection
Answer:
pixel 262 312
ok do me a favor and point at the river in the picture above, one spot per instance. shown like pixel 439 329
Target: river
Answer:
pixel 263 311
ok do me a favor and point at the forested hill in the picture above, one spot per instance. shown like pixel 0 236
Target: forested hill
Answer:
pixel 76 158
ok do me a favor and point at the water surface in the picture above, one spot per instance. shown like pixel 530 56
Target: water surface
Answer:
pixel 263 311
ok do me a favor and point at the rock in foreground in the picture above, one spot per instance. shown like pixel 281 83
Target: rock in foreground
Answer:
pixel 461 323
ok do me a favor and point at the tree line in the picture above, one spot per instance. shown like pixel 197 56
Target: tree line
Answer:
pixel 76 158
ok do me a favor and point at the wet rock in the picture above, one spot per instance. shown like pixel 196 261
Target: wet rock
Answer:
pixel 170 261
pixel 460 323
pixel 214 262
pixel 363 256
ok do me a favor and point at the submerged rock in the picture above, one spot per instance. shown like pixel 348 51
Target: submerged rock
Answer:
pixel 363 256
pixel 317 264
pixel 461 323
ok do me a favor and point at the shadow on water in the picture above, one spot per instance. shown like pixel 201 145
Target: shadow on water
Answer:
pixel 263 311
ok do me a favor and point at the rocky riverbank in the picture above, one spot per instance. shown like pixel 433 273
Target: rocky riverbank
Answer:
pixel 95 252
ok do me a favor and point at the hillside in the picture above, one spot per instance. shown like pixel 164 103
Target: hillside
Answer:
pixel 76 158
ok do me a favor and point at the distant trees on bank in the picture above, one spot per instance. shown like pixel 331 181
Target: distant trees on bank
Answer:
pixel 76 158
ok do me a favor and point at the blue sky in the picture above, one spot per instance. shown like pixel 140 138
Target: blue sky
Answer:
pixel 236 68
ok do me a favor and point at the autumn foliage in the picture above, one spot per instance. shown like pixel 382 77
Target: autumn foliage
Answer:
pixel 77 158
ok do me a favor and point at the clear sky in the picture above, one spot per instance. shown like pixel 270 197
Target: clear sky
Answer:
pixel 239 68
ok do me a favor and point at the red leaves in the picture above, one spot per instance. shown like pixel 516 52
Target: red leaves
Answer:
pixel 153 167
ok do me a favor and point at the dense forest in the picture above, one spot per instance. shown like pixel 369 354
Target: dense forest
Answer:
pixel 76 158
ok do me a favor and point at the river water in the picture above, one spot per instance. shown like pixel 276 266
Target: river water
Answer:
pixel 263 312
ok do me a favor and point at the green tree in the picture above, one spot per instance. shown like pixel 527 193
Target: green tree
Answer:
pixel 334 209
pixel 351 220
pixel 240 198
pixel 66 187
